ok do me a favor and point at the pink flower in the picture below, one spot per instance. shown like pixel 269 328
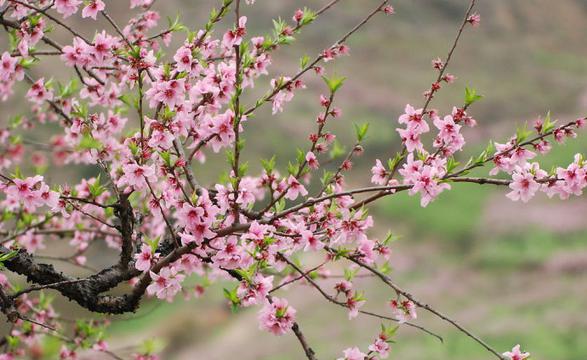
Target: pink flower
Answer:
pixel 183 59
pixel 7 66
pixel 380 346
pixel 257 232
pixel 426 183
pixel 232 255
pixel 234 37
pixel 294 189
pixel 144 258
pixel 353 354
pixel 67 7
pixel 403 311
pixel 165 284
pixel 31 241
pixel 103 46
pixel 76 54
pixel 32 192
pixel 312 161
pixel 353 303
pixel 170 93
pixel 389 10
pixel 286 93
pixel 523 186
pixel 574 177
pixel 353 226
pixel 411 169
pixel 521 156
pixel 39 93
pixel 413 119
pixel 67 354
pixel 311 241
pixel 516 354
pixel 256 291
pixel 277 316
pixel 48 197
pixel 449 136
pixel 136 3
pixel 411 139
pixel 474 19
pixel 379 173
pixel 366 251
pixel 135 175
pixel 93 8
pixel 298 15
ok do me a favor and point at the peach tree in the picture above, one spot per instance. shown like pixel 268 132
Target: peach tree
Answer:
pixel 144 115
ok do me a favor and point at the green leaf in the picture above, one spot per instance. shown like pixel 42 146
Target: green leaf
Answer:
pixel 280 205
pixel 304 61
pixel 522 133
pixel 245 275
pixel 268 165
pixel 392 163
pixel 326 177
pixel 361 131
pixel 69 89
pixel 309 16
pixel 451 164
pixel 547 124
pixel 151 346
pixel 15 121
pixel 334 83
pixel 389 238
pixel 292 169
pixel 471 96
pixel 7 256
pixel 349 274
pixel 87 142
pixel 97 189
pixel 385 268
pixel 232 296
pixel 300 156
pixel 176 25
pixel 337 150
pixel 153 243
pixel 166 156
pixel 242 169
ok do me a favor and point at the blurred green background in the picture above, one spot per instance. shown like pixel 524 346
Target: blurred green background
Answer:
pixel 512 273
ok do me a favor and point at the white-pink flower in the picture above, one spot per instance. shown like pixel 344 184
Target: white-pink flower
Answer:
pixel 294 189
pixel 379 173
pixel 7 66
pixel 523 186
pixel 144 259
pixel 166 284
pixel 67 7
pixel 39 92
pixel 312 161
pixel 380 346
pixel 277 316
pixel 353 354
pixel 93 8
pixel 403 311
pixel 516 354
pixel 256 291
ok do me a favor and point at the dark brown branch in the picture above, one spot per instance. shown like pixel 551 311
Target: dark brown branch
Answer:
pixel 310 354
pixel 124 212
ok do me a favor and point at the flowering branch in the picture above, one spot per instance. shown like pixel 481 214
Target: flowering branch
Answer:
pixel 141 112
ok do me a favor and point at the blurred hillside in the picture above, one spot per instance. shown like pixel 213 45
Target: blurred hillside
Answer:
pixel 470 253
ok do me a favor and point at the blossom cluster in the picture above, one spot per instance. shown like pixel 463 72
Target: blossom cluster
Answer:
pixel 142 115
